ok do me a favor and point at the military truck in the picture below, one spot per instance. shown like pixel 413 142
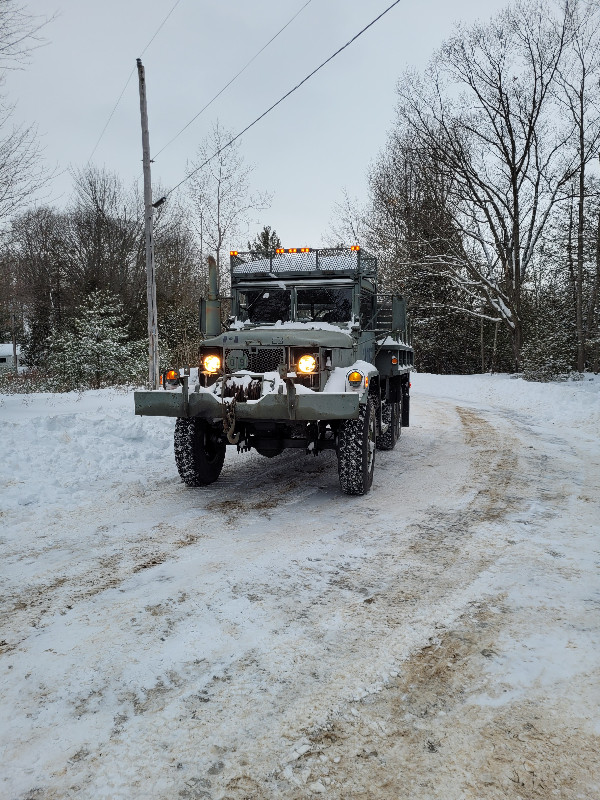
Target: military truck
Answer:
pixel 312 357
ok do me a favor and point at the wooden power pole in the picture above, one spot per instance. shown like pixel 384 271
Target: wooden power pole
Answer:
pixel 148 216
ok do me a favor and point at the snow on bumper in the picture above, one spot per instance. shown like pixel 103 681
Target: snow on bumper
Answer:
pixel 310 406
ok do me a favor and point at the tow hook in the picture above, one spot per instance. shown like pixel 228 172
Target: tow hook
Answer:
pixel 291 390
pixel 229 417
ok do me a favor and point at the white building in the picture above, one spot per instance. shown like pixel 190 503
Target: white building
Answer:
pixel 7 360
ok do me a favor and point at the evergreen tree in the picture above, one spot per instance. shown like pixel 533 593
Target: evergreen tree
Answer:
pixel 96 350
pixel 551 340
pixel 265 243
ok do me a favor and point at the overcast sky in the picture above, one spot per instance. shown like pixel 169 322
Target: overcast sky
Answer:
pixel 305 152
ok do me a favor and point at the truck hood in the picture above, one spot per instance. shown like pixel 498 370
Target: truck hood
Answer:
pixel 295 337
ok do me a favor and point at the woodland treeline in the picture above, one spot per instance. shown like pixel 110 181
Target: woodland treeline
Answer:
pixel 483 207
pixel 54 262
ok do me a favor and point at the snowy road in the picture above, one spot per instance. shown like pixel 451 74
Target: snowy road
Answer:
pixel 269 637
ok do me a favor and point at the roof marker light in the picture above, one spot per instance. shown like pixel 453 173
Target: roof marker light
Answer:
pixel 233 252
pixel 292 250
pixel 355 248
pixel 279 251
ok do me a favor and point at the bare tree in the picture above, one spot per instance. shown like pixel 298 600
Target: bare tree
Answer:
pixel 40 288
pixel 104 246
pixel 410 224
pixel 220 195
pixel 20 34
pixel 347 225
pixel 485 111
pixel 21 171
pixel 577 91
pixel 179 283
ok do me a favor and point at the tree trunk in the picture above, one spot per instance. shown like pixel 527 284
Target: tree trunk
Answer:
pixel 482 348
pixel 580 231
pixel 494 350
pixel 517 342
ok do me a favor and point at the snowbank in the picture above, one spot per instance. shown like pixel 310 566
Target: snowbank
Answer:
pixel 574 404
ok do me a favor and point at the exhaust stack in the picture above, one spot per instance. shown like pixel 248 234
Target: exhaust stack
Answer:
pixel 210 310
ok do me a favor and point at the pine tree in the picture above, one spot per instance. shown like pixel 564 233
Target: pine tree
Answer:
pixel 96 351
pixel 551 339
pixel 265 243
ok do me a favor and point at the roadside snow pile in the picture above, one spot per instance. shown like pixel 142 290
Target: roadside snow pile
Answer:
pixel 58 447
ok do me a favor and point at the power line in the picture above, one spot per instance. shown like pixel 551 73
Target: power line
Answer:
pixel 281 99
pixel 116 105
pixel 235 77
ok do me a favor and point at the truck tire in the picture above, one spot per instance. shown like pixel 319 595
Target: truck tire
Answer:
pixel 390 416
pixel 356 451
pixel 199 454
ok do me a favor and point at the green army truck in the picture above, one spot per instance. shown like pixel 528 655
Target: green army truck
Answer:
pixel 312 357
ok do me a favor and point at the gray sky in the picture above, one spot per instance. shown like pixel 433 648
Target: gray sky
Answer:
pixel 319 141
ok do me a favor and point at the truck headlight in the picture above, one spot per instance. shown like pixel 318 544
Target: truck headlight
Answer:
pixel 307 364
pixel 211 363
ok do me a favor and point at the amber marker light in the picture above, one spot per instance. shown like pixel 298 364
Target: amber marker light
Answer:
pixel 280 251
pixel 394 360
pixel 307 364
pixel 172 375
pixel 305 249
pixel 212 363
pixel 293 250
pixel 355 379
pixel 233 252
pixel 355 248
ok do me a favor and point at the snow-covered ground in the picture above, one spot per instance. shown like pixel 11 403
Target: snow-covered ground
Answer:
pixel 269 637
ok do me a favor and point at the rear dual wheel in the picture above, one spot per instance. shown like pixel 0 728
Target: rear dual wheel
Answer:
pixel 356 451
pixel 199 452
pixel 391 415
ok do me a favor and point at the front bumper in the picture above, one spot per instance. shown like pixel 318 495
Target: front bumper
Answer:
pixel 311 406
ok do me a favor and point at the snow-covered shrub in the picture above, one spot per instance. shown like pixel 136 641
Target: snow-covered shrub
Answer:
pixel 548 352
pixel 26 382
pixel 543 360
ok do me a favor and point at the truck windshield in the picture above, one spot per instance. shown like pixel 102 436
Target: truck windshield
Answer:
pixel 266 305
pixel 324 305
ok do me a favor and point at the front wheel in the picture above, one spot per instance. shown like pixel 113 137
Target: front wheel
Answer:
pixel 199 452
pixel 356 451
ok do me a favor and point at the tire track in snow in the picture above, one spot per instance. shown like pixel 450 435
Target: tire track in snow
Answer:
pixel 91 566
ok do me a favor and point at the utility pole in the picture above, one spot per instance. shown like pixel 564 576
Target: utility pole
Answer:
pixel 148 217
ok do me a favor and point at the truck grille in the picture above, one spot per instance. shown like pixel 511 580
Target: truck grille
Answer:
pixel 265 360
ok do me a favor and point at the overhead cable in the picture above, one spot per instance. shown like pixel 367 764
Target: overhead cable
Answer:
pixel 281 99
pixel 157 31
pixel 235 77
